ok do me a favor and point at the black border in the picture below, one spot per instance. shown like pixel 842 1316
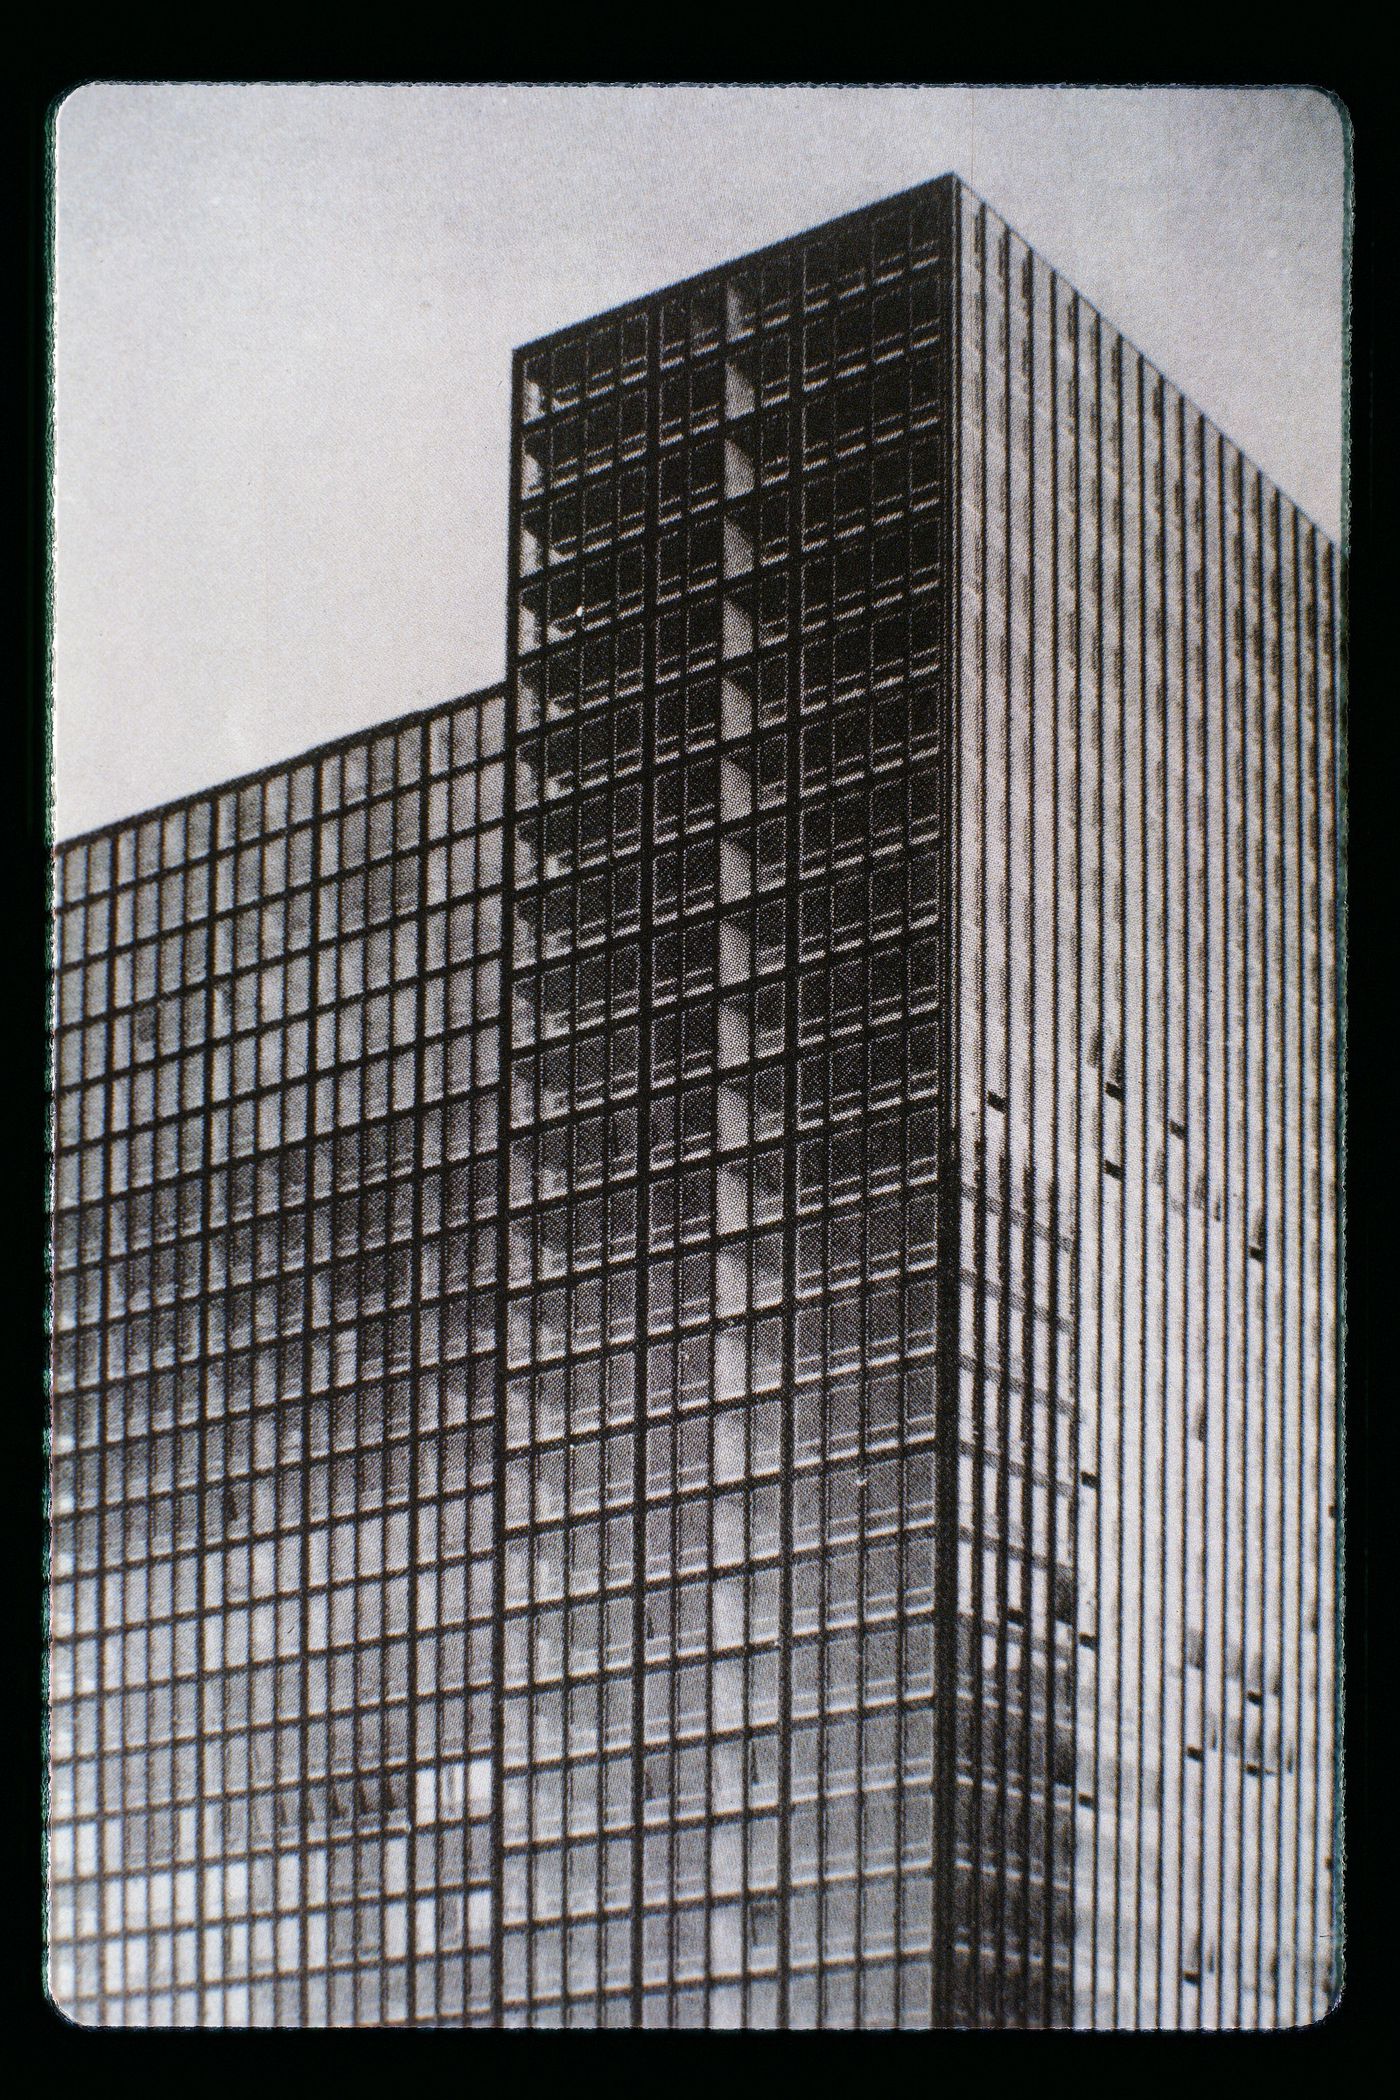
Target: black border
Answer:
pixel 1373 106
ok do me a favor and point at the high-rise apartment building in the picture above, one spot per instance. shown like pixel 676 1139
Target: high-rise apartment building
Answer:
pixel 274 1410
pixel 1145 931
pixel 695 1346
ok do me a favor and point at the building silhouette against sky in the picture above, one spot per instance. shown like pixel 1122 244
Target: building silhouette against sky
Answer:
pixel 694 1302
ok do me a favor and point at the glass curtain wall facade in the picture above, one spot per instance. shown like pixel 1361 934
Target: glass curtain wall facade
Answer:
pixel 694 1343
pixel 271 1571
pixel 1146 1045
pixel 729 686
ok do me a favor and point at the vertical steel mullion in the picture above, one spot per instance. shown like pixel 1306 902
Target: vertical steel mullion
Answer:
pixel 542 1990
pixel 1284 1113
pixel 1269 1109
pixel 1046 1630
pixel 1001 1735
pixel 568 1760
pixel 1242 668
pixel 101 1747
pixel 1262 1156
pixel 642 1326
pixel 950 1519
pixel 609 1275
pixel 675 1437
pixel 899 1622
pixel 1299 845
pixel 1049 2001
pixel 1314 1365
pixel 1291 1603
pixel 259 1279
pixel 1286 1180
pixel 418 1113
pixel 897 1627
pixel 822 1562
pixel 510 749
pixel 240 1790
pixel 1045 1950
pixel 1181 526
pixel 1102 527
pixel 858 1720
pixel 789 1066
pixel 997 1992
pixel 711 1249
pixel 102 1526
pixel 100 1395
pixel 152 1384
pixel 1248 1324
pixel 104 1521
pixel 1214 1088
pixel 57 1471
pixel 1315 1001
pixel 356 1833
pixel 1088 583
pixel 1193 1309
pixel 1162 688
pixel 689 929
pixel 1289 1425
pixel 1227 664
pixel 55 903
pixel 1004 1192
pixel 570 1287
pixel 303 1854
pixel 1330 1561
pixel 1327 927
pixel 1090 638
pixel 1027 1775
pixel 111 1796
pixel 790 1070
pixel 1176 1349
pixel 746 1715
pixel 709 1163
pixel 1142 1151
pixel 1196 539
pixel 790 1160
pixel 1026 1451
pixel 1265 1163
pixel 1119 356
pixel 1042 1991
pixel 491 1636
pixel 528 1862
pixel 525 1861
pixel 201 1481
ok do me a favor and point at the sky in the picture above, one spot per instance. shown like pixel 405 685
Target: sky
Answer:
pixel 284 318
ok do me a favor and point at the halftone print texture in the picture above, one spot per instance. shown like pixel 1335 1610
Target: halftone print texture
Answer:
pixel 695 1345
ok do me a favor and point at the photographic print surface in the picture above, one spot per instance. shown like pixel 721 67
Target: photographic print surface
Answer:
pixel 695 1296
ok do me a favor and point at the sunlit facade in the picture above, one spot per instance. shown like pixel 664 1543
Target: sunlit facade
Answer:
pixel 1146 927
pixel 274 1408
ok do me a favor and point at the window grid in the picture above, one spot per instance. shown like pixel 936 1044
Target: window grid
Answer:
pixel 259 1438
pixel 604 1236
pixel 751 805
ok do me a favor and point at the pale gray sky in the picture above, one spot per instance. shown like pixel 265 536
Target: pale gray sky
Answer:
pixel 285 318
